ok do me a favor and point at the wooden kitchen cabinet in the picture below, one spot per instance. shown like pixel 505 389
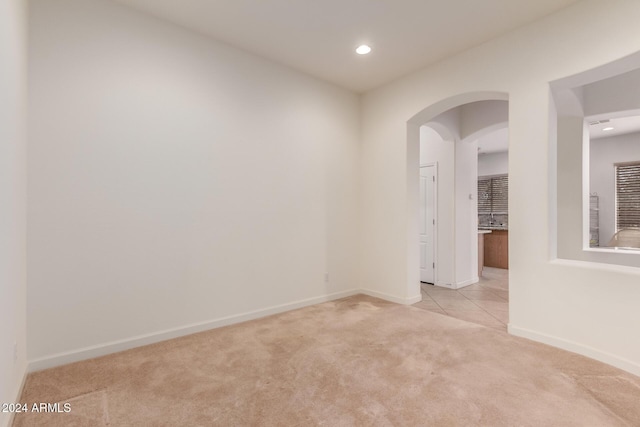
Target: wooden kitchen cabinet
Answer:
pixel 496 249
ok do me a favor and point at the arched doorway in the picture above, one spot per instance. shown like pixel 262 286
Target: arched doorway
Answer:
pixel 451 129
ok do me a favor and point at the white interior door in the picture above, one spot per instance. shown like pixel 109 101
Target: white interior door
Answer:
pixel 427 224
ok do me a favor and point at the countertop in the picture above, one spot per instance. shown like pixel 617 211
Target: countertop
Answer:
pixel 480 231
pixel 493 227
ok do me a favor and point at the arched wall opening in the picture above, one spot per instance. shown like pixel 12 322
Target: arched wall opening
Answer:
pixel 441 118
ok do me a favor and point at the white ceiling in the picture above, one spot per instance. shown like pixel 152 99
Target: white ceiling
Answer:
pixel 318 37
pixel 498 141
pixel 620 125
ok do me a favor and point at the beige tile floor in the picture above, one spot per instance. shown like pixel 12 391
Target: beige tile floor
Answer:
pixel 485 302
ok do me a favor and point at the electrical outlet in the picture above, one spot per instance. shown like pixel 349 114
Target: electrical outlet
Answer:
pixel 15 352
pixel 326 277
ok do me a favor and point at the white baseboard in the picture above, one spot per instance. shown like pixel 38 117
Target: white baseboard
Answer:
pixel 391 298
pixel 115 346
pixel 129 343
pixel 467 283
pixel 17 395
pixel 444 285
pixel 610 359
pixel 126 344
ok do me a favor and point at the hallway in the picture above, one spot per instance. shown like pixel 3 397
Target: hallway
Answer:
pixel 485 302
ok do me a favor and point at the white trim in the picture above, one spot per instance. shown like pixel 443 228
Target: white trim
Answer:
pixel 140 340
pixel 17 395
pixel 613 250
pixel 391 298
pixel 596 266
pixel 467 283
pixel 121 345
pixel 608 358
pixel 444 285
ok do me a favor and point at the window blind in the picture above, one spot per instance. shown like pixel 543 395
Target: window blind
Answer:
pixel 627 195
pixel 484 196
pixel 493 195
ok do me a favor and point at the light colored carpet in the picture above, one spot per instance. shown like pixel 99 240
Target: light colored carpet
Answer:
pixel 357 361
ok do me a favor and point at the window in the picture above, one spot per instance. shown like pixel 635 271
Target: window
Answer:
pixel 627 195
pixel 493 194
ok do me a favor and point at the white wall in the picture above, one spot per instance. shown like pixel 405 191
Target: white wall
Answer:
pixel 466 213
pixel 493 164
pixel 571 192
pixel 433 149
pixel 13 185
pixel 176 183
pixel 604 153
pixel 543 303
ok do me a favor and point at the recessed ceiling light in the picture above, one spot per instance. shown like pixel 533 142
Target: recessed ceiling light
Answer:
pixel 607 128
pixel 363 49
